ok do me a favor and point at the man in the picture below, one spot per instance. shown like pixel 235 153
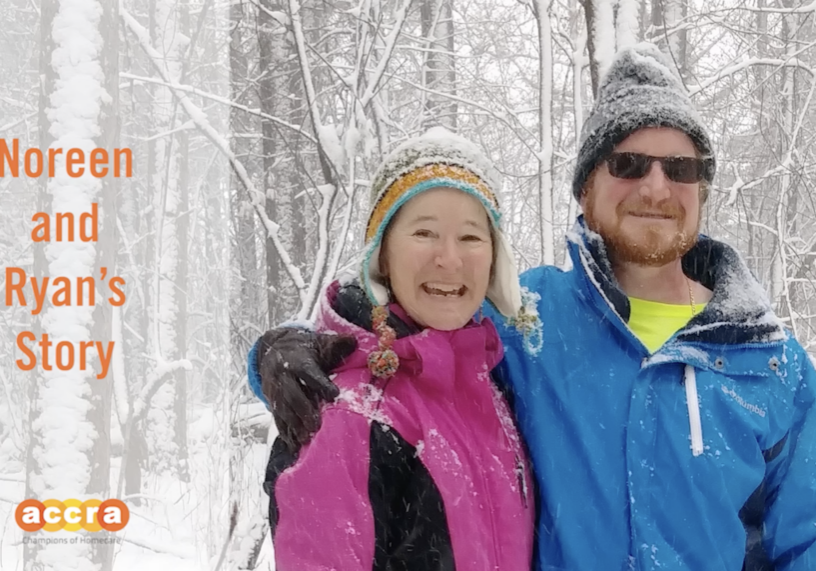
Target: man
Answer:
pixel 669 416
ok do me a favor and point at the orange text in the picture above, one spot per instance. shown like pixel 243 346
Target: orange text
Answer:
pixel 76 162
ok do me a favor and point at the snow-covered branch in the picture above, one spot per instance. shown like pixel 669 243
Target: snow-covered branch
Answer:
pixel 155 379
pixel 746 63
pixel 218 99
pixel 807 9
pixel 325 143
pixel 740 186
pixel 13 124
pixel 390 43
pixel 257 198
pixel 498 116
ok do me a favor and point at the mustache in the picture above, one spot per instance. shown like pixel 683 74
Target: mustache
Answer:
pixel 669 209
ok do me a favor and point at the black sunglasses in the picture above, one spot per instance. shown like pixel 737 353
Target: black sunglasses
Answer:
pixel 678 169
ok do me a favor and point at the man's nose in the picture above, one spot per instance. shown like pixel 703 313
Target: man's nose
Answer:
pixel 655 185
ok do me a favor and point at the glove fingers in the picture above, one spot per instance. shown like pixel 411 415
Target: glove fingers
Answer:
pixel 332 349
pixel 316 381
pixel 293 366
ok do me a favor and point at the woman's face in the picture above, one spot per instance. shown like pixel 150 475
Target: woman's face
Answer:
pixel 438 253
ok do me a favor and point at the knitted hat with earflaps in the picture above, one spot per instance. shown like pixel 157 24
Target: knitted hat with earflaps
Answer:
pixel 437 159
pixel 641 89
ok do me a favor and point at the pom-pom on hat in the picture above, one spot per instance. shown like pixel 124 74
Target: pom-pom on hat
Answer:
pixel 437 159
pixel 641 89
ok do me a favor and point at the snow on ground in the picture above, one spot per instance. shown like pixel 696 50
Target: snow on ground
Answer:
pixel 178 526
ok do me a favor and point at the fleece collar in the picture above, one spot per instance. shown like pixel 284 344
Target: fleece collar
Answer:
pixel 739 311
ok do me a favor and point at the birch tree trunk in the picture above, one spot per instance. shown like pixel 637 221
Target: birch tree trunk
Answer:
pixel 591 16
pixel 439 71
pixel 164 341
pixel 48 11
pixel 780 293
pixel 102 393
pixel 181 282
pixel 579 35
pixel 761 95
pixel 63 432
pixel 243 248
pixel 611 25
pixel 330 158
pixel 627 22
pixel 278 156
pixel 672 36
pixel 542 10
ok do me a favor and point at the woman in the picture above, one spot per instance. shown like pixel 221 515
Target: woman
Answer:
pixel 417 464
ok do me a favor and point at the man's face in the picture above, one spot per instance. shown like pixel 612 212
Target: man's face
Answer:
pixel 648 221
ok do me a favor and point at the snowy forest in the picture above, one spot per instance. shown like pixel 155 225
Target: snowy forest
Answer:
pixel 255 126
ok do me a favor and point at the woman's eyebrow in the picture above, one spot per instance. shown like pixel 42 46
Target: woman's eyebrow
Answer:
pixel 476 224
pixel 433 218
pixel 424 218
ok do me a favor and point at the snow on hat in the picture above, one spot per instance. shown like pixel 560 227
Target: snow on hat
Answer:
pixel 641 89
pixel 437 159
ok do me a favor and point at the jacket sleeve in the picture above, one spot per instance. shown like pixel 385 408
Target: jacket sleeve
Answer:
pixel 324 514
pixel 790 521
pixel 253 374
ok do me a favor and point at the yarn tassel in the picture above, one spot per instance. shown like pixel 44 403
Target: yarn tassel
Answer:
pixel 384 362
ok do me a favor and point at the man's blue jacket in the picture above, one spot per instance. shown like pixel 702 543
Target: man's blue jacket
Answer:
pixel 622 484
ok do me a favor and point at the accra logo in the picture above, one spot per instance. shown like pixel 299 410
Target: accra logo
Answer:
pixel 72 515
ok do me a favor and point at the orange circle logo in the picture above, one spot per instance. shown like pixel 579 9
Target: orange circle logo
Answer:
pixel 113 515
pixel 29 515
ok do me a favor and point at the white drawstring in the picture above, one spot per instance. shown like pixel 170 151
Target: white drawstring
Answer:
pixel 693 403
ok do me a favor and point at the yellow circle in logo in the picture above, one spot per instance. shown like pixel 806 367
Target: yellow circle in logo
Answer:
pixel 73 515
pixel 52 514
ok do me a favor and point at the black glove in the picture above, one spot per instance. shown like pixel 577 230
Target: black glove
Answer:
pixel 294 365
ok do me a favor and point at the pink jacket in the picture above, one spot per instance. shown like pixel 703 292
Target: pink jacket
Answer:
pixel 446 412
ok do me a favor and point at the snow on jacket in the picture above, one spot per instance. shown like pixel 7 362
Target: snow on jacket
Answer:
pixel 421 471
pixel 635 468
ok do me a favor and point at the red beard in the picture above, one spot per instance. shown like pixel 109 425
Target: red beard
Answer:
pixel 654 247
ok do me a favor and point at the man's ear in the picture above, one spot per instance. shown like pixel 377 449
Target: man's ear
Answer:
pixel 583 199
pixel 590 182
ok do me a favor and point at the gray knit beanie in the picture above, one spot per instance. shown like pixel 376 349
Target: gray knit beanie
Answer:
pixel 641 89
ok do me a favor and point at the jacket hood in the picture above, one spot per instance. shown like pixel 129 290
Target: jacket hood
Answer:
pixel 739 311
pixel 346 310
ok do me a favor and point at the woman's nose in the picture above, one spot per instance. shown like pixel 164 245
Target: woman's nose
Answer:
pixel 448 255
